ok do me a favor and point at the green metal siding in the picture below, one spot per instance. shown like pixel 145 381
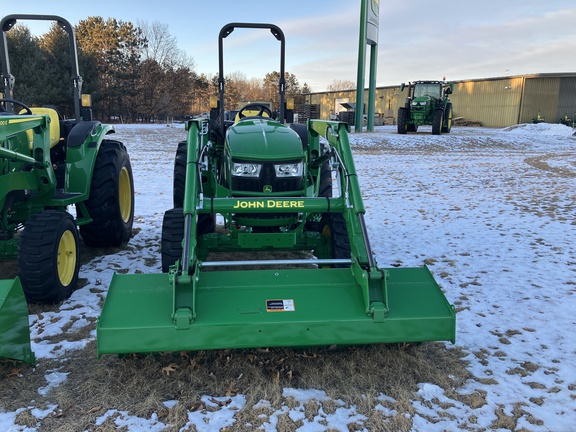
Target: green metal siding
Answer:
pixel 567 98
pixel 493 103
pixel 540 96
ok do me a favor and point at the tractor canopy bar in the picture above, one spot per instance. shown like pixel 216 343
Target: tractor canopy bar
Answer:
pixel 8 79
pixel 224 33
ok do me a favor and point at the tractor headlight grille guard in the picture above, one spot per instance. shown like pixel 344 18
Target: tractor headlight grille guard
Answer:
pixel 245 169
pixel 270 177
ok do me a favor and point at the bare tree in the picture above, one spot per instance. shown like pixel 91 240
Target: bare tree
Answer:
pixel 245 89
pixel 162 47
pixel 342 85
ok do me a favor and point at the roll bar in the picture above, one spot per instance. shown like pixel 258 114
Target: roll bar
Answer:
pixel 8 79
pixel 224 33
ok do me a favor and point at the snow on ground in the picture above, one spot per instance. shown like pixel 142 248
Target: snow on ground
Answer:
pixel 491 212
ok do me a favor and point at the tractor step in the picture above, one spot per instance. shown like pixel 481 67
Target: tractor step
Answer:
pixel 267 308
pixel 14 325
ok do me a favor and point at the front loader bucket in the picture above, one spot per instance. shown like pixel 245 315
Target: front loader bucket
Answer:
pixel 14 325
pixel 267 308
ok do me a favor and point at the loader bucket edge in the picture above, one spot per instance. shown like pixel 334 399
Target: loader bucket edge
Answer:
pixel 270 308
pixel 14 324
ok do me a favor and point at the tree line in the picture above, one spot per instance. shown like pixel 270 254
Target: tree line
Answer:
pixel 134 73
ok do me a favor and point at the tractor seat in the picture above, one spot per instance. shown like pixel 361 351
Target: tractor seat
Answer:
pixel 54 125
pixel 251 114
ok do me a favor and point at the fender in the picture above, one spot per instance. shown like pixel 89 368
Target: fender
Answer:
pixel 80 132
pixel 83 145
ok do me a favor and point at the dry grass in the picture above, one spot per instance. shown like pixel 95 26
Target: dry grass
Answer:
pixel 140 384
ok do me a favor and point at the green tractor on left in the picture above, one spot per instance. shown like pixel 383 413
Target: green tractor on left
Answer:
pixel 47 165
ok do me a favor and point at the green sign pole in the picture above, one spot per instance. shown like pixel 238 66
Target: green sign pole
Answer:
pixel 358 119
pixel 369 20
pixel 372 87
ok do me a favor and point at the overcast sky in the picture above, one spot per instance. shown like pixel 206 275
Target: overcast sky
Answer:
pixel 419 39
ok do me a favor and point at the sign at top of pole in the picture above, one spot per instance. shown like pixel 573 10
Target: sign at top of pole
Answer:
pixel 372 22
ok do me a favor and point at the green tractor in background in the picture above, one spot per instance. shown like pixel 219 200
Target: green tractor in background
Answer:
pixel 427 104
pixel 47 164
pixel 261 185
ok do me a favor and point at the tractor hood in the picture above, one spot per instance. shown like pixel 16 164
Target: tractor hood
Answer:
pixel 258 139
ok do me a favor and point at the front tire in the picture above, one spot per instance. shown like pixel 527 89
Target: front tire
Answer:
pixel 172 236
pixel 402 120
pixel 48 257
pixel 437 121
pixel 111 201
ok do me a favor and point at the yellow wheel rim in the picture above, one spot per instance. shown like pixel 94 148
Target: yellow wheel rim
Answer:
pixel 125 195
pixel 66 258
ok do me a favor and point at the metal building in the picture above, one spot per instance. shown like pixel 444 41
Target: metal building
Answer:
pixel 492 102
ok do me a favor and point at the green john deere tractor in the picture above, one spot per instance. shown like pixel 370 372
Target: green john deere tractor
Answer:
pixel 427 104
pixel 275 187
pixel 48 163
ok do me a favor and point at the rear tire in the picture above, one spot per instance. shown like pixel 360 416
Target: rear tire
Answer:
pixel 325 188
pixel 111 202
pixel 333 225
pixel 48 257
pixel 302 131
pixel 447 125
pixel 437 121
pixel 179 174
pixel 206 221
pixel 333 228
pixel 172 236
pixel 402 120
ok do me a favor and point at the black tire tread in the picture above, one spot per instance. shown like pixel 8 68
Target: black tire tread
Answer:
pixel 437 118
pixel 37 257
pixel 108 228
pixel 402 121
pixel 338 235
pixel 172 235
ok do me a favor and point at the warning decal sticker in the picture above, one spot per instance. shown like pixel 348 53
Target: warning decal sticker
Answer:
pixel 280 306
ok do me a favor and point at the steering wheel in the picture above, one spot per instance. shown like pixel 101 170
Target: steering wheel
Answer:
pixel 14 101
pixel 262 109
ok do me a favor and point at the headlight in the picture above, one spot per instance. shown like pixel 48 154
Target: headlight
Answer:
pixel 289 169
pixel 419 103
pixel 241 169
